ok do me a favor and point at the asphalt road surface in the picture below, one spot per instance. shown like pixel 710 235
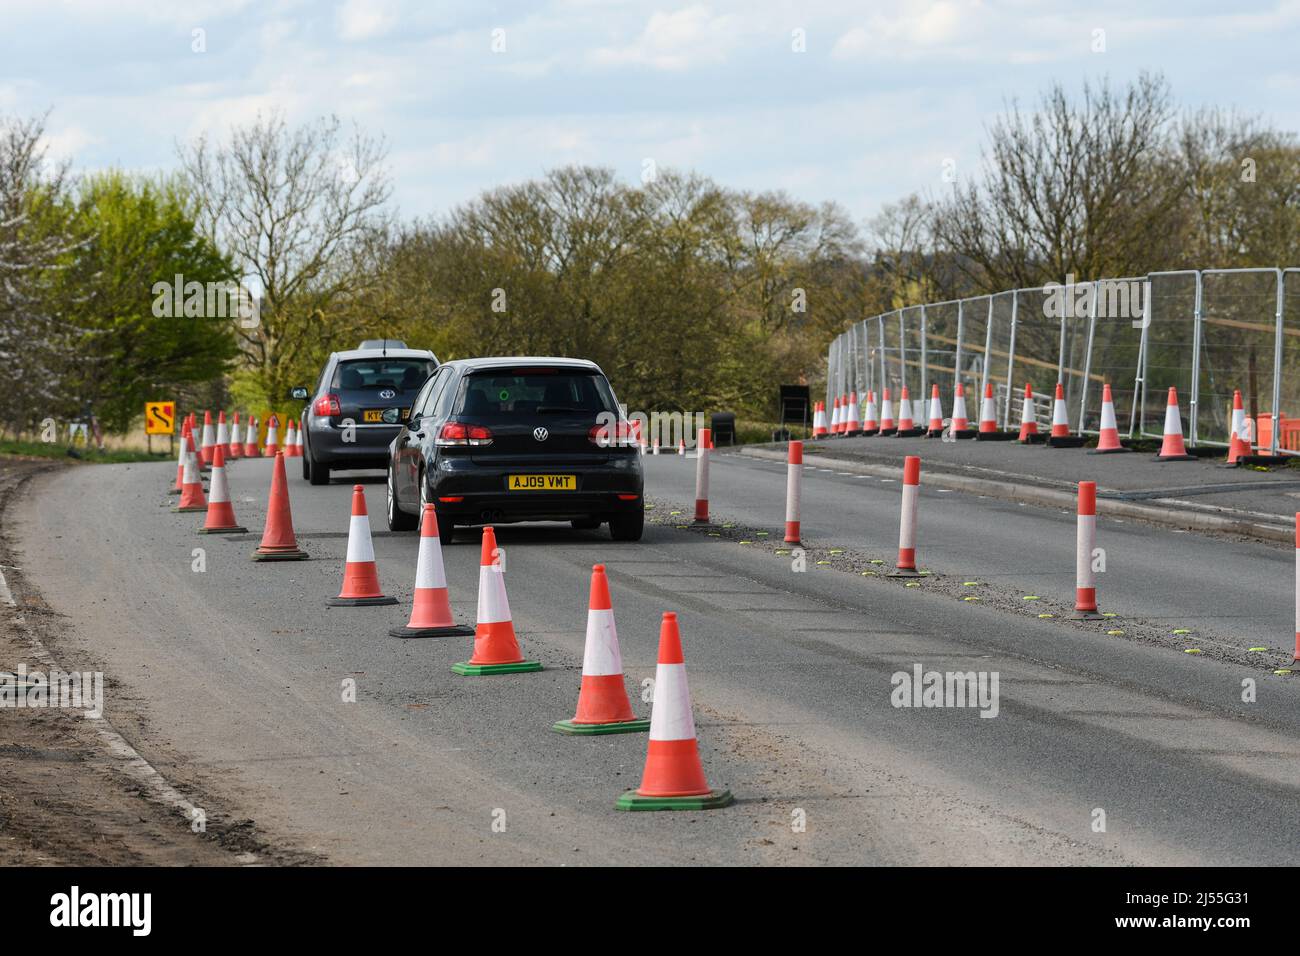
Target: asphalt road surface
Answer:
pixel 1106 748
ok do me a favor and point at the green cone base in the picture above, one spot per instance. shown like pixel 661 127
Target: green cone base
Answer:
pixel 466 669
pixel 360 602
pixel 233 530
pixel 706 801
pixel 587 730
pixel 451 630
pixel 279 556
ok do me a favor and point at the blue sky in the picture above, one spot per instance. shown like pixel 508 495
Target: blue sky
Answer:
pixel 885 92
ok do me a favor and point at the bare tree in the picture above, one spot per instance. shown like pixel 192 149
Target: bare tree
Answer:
pixel 296 208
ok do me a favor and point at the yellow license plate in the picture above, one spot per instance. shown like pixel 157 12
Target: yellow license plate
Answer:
pixel 542 483
pixel 377 415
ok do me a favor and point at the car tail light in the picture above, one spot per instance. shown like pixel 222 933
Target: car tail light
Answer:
pixel 619 436
pixel 459 433
pixel 327 406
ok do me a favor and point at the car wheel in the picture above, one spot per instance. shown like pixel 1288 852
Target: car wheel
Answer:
pixel 398 520
pixel 318 474
pixel 627 527
pixel 585 524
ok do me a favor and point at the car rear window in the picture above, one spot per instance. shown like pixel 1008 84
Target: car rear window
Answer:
pixel 509 393
pixel 404 375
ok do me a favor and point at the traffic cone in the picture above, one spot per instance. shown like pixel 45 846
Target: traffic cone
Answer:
pixel 1238 445
pixel 221 513
pixel 205 449
pixel 907 427
pixel 852 426
pixel 298 444
pixel 1060 436
pixel 1085 542
pixel 1172 448
pixel 223 433
pixel 180 458
pixel 290 441
pixel 430 606
pixel 496 649
pixel 819 420
pixel 887 426
pixel 1028 418
pixel 872 424
pixel 250 439
pixel 673 778
pixel 235 449
pixel 960 423
pixel 836 420
pixel 191 483
pixel 681 447
pixel 988 412
pixel 603 706
pixel 654 449
pixel 1108 440
pixel 278 540
pixel 936 413
pixel 360 576
pixel 272 436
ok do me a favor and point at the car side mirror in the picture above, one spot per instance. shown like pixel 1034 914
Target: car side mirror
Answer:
pixel 391 416
pixel 300 393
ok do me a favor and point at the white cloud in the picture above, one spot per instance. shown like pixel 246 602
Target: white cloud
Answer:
pixel 690 37
pixel 365 19
pixel 67 141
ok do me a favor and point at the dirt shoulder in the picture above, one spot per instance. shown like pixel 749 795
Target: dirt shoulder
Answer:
pixel 65 799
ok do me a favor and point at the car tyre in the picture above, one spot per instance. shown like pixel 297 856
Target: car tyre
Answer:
pixel 398 520
pixel 627 527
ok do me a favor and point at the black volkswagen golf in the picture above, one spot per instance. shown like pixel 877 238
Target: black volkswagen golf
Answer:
pixel 499 440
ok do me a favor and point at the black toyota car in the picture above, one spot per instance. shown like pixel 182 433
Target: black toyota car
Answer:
pixel 498 440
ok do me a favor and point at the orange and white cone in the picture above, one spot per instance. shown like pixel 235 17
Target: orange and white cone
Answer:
pixel 1028 417
pixel 872 424
pixel 793 491
pixel 223 434
pixel 835 417
pixel 936 413
pixel 360 575
pixel 1060 417
pixel 673 778
pixel 906 567
pixel 496 648
pixel 180 458
pixel 887 415
pixel 208 440
pixel 298 444
pixel 431 604
pixel 234 449
pixel 1239 444
pixel 1172 448
pixel 250 439
pixel 192 498
pixel 654 448
pixel 603 705
pixel 703 444
pixel 960 423
pixel 681 447
pixel 1108 442
pixel 851 425
pixel 988 412
pixel 819 420
pixel 221 513
pixel 273 437
pixel 279 543
pixel 904 412
pixel 290 440
pixel 1085 543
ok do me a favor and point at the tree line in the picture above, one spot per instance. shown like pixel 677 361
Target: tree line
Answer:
pixel 690 294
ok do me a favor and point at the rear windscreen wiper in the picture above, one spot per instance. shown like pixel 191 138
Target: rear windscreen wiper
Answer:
pixel 543 409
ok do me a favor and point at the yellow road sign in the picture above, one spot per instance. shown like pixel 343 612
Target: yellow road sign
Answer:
pixel 159 418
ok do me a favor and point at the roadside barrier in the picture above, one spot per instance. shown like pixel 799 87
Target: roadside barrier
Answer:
pixel 793 491
pixel 1085 542
pixel 906 567
pixel 431 604
pixel 673 778
pixel 360 575
pixel 221 513
pixel 603 705
pixel 278 540
pixel 703 443
pixel 496 648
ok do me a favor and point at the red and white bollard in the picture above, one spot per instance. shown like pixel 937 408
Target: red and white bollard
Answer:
pixel 703 443
pixel 906 567
pixel 793 491
pixel 1085 579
